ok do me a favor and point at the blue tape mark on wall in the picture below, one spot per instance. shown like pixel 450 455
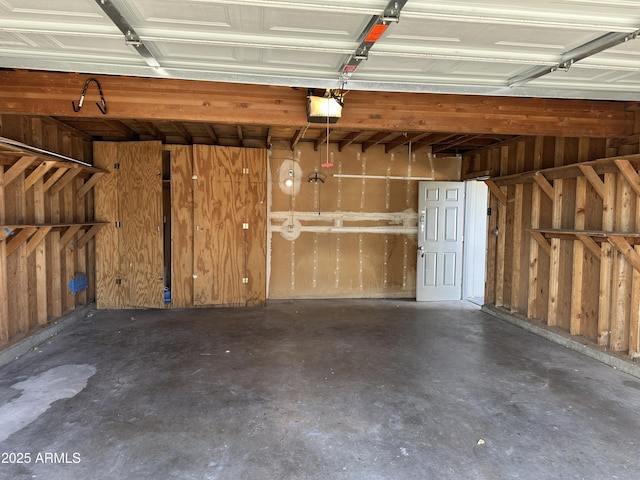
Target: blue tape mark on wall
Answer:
pixel 78 283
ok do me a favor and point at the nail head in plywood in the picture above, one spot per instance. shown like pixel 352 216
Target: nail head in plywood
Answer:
pixel 495 190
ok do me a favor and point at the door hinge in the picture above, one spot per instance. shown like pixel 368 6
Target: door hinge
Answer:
pixel 245 226
pixel 118 224
pixel 489 211
pixel 245 280
pixel 116 166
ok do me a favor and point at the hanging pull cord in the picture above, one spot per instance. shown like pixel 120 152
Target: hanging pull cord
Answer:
pixel 102 108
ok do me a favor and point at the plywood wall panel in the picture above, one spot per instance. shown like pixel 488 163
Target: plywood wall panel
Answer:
pixel 219 262
pixel 181 226
pixel 348 246
pixel 256 235
pixel 108 292
pixel 140 205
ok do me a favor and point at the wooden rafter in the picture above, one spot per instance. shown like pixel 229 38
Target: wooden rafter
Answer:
pixel 404 140
pixel 296 138
pixel 184 133
pixel 322 139
pixel 153 130
pixel 376 139
pixel 127 132
pixel 212 133
pixel 267 142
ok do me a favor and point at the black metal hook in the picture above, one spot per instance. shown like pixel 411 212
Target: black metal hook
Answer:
pixel 102 108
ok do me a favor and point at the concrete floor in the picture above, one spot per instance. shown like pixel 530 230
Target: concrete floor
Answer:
pixel 314 390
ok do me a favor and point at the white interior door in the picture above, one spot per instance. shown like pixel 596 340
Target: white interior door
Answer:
pixel 439 268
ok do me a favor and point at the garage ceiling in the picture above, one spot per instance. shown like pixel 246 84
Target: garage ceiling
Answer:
pixel 542 48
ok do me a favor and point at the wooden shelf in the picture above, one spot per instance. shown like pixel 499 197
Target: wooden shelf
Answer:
pixel 17 235
pixel 623 241
pixel 56 171
pixel 600 167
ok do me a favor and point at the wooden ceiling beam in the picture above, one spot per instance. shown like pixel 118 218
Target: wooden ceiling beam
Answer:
pixel 50 94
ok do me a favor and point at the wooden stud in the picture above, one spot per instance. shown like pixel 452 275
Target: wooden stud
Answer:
pixel 36 239
pixel 544 184
pixel 594 179
pixel 37 174
pixel 625 248
pixel 57 175
pixel 65 180
pixel 492 240
pixel 89 184
pixel 606 262
pixel 590 243
pixel 502 233
pixel 19 238
pixel 4 294
pixel 622 269
pixel 520 244
pixel 68 235
pixel 629 174
pixel 89 234
pixel 541 241
pixel 496 191
pixel 18 168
